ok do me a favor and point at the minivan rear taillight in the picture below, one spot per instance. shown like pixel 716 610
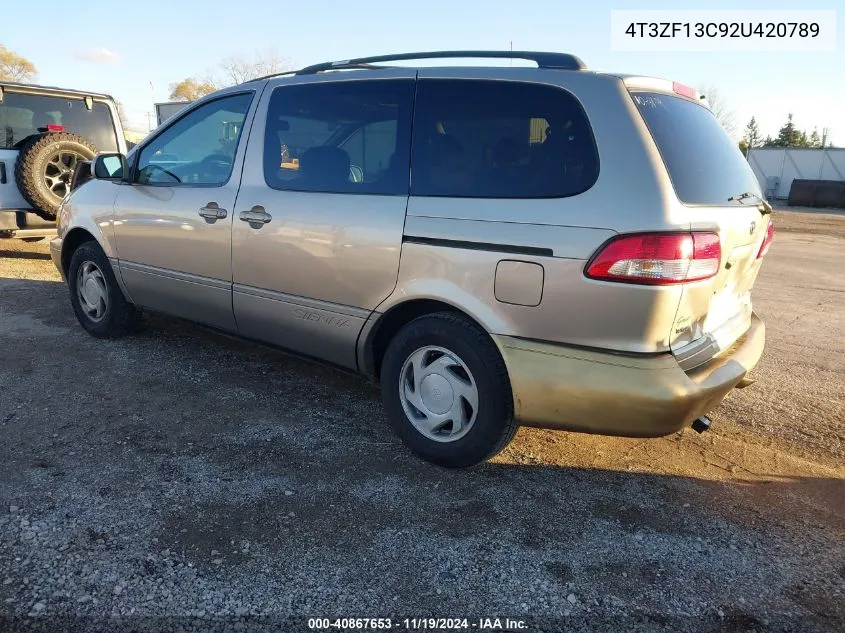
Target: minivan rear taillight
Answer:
pixel 767 241
pixel 657 258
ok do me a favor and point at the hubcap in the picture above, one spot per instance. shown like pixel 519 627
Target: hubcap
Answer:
pixel 438 394
pixel 92 291
pixel 59 171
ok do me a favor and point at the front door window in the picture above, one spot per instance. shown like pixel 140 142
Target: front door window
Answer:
pixel 199 148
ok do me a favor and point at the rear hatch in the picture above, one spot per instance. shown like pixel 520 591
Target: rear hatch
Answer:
pixel 719 194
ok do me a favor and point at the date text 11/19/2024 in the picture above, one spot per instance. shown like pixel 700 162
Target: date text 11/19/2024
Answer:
pixel 417 624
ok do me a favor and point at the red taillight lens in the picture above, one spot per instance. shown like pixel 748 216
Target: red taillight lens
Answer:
pixel 56 128
pixel 767 241
pixel 658 258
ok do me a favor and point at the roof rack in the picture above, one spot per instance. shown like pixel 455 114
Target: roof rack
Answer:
pixel 561 61
pixel 284 73
pixel 350 66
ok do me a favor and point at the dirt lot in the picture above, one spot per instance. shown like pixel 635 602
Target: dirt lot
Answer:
pixel 179 478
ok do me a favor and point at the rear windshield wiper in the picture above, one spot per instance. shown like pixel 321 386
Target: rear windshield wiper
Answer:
pixel 762 205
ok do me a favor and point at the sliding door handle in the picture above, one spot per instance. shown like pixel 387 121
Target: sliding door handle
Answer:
pixel 256 216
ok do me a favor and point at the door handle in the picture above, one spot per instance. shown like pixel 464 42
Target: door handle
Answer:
pixel 256 216
pixel 212 212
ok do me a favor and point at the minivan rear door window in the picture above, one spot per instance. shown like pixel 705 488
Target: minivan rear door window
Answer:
pixel 704 164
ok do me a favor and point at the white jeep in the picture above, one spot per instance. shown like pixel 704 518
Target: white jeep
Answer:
pixel 44 133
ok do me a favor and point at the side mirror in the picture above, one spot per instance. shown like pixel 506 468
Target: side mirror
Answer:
pixel 110 166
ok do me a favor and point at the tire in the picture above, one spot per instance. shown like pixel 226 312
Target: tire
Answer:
pixel 461 354
pixel 45 167
pixel 97 300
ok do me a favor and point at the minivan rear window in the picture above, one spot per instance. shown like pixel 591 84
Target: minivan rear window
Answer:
pixel 22 115
pixel 704 164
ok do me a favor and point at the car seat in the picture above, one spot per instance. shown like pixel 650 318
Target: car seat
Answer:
pixel 325 167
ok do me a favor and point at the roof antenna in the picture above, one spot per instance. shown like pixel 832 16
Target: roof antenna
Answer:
pixel 511 52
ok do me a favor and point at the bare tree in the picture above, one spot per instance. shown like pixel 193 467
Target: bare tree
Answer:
pixel 238 69
pixel 14 67
pixel 121 113
pixel 720 108
pixel 191 89
pixel 235 70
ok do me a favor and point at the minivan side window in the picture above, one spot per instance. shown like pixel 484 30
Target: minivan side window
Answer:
pixel 340 137
pixel 199 148
pixel 494 139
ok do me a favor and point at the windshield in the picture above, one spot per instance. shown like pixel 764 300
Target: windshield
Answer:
pixel 704 164
pixel 22 115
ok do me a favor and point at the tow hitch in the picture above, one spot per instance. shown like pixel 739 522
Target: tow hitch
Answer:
pixel 702 424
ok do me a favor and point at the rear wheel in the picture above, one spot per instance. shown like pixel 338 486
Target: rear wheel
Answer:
pixel 97 300
pixel 446 391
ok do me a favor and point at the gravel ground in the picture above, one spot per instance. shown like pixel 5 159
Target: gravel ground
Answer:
pixel 181 480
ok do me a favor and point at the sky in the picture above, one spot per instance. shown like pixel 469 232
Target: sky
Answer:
pixel 136 53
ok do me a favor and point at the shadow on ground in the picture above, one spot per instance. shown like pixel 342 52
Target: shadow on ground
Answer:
pixel 277 481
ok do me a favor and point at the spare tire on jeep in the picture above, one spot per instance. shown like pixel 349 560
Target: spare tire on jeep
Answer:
pixel 45 167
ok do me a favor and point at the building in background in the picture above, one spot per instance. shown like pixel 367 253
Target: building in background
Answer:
pixel 167 109
pixel 777 167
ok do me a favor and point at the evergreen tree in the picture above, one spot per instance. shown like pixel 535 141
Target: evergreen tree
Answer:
pixel 751 136
pixel 790 136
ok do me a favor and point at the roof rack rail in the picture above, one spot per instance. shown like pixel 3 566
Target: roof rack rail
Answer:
pixel 299 72
pixel 271 75
pixel 562 61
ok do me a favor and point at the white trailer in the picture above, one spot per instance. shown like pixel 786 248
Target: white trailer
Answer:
pixel 777 167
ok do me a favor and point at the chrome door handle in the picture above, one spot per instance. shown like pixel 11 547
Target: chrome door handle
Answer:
pixel 256 216
pixel 212 212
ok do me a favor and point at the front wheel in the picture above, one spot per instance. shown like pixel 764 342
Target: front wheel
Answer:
pixel 97 300
pixel 446 391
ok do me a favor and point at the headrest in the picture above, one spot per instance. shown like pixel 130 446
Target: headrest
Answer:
pixel 325 164
pixel 507 151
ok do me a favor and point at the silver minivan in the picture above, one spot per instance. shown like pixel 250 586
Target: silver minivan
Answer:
pixel 496 246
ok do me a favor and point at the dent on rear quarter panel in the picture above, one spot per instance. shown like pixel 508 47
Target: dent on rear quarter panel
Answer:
pixel 573 309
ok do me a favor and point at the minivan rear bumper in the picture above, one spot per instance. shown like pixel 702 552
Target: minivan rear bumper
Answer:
pixel 561 387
